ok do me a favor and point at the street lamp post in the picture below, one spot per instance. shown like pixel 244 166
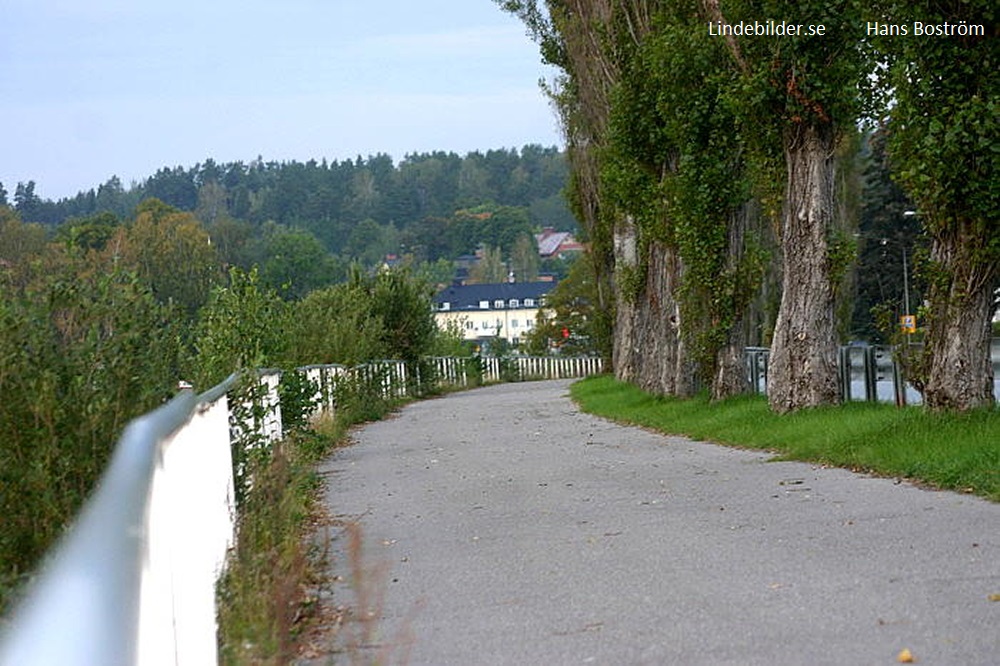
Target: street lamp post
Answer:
pixel 906 281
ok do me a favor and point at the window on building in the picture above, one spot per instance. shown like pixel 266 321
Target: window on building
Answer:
pixel 498 303
pixel 469 325
pixel 529 324
pixel 514 323
pixel 529 302
pixel 514 303
pixel 446 306
pixel 484 305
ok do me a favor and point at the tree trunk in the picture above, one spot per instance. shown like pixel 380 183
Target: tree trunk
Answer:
pixel 625 349
pixel 664 366
pixel 803 367
pixel 730 378
pixel 649 350
pixel 959 369
pixel 730 372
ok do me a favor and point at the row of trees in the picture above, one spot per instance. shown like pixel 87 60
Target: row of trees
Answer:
pixel 98 325
pixel 716 178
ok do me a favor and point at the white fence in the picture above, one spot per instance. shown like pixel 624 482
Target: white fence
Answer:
pixel 557 367
pixel 133 582
pixel 469 371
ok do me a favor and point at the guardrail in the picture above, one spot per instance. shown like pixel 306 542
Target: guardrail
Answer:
pixel 860 370
pixel 133 581
pixel 865 372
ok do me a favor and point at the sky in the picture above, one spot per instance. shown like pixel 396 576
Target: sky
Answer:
pixel 99 88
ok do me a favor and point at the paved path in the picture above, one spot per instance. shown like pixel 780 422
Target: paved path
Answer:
pixel 508 528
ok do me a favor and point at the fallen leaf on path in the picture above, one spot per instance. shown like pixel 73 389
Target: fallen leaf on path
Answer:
pixel 994 597
pixel 905 657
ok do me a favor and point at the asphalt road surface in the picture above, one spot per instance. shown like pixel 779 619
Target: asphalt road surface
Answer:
pixel 503 526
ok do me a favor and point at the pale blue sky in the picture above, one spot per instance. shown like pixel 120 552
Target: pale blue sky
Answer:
pixel 95 88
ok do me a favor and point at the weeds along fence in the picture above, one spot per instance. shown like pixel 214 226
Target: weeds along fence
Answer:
pixel 133 581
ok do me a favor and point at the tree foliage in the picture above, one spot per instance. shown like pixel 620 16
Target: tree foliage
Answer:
pixel 886 233
pixel 945 146
pixel 172 252
pixel 569 323
pixel 243 326
pixel 85 346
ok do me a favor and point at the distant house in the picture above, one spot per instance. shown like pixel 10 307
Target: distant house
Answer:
pixel 552 243
pixel 484 311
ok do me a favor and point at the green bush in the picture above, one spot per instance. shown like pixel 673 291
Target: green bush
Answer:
pixel 79 358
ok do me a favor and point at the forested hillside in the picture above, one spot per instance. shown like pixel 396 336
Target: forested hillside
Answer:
pixel 356 210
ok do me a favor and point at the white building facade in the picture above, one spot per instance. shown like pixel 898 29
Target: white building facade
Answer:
pixel 482 311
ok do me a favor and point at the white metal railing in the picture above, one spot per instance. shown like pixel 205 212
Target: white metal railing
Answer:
pixel 133 581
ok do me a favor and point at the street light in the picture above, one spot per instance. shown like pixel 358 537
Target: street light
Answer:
pixel 906 285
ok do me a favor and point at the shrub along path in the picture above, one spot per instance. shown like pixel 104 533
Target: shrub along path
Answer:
pixel 503 526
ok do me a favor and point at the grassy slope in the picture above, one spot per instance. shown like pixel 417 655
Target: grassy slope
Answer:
pixel 959 452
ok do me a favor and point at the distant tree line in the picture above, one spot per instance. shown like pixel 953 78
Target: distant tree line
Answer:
pixel 357 209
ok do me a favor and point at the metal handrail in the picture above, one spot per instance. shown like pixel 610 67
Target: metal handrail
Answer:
pixel 88 594
pixel 83 607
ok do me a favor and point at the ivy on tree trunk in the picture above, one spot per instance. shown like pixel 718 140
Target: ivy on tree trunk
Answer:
pixel 943 136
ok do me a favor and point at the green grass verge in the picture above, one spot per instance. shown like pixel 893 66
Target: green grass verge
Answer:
pixel 958 452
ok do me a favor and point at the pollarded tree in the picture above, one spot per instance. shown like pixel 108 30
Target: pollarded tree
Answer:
pixel 943 144
pixel 799 95
pixel 679 170
pixel 659 179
